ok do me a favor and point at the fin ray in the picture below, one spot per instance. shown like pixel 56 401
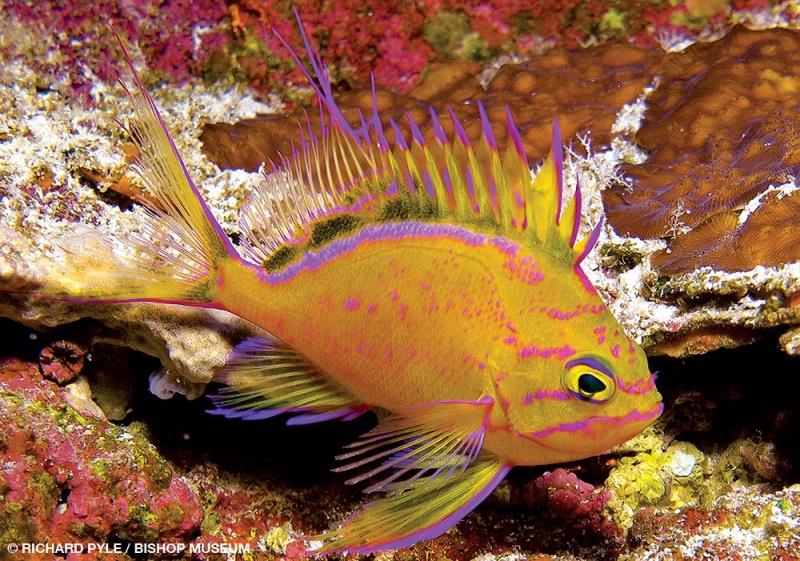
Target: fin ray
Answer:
pixel 264 378
pixel 468 181
pixel 424 511
pixel 430 439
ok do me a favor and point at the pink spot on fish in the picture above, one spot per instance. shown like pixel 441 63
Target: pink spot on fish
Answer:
pixel 524 269
pixel 372 308
pixel 639 387
pixel 615 351
pixel 352 304
pixel 599 330
pixel 510 340
pixel 425 285
pixel 601 339
pixel 403 309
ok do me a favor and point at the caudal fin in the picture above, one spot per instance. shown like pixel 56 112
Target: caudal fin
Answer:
pixel 176 252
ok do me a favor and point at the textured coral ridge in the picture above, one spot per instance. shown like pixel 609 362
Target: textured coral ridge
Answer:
pixel 722 132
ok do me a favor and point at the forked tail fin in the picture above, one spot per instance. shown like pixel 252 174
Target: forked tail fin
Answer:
pixel 175 255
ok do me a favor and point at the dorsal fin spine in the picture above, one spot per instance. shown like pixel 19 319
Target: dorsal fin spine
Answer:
pixel 577 204
pixel 467 179
pixel 557 156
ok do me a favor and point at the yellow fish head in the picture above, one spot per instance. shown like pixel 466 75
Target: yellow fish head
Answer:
pixel 575 384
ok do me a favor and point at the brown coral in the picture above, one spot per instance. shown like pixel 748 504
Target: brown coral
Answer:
pixel 722 127
pixel 585 88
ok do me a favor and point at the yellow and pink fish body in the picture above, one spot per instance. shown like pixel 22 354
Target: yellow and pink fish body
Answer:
pixel 430 278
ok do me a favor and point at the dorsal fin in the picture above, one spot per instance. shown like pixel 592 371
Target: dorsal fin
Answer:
pixel 342 168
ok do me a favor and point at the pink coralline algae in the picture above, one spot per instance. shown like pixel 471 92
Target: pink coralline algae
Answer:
pixel 395 41
pixel 68 477
pixel 572 504
pixel 176 37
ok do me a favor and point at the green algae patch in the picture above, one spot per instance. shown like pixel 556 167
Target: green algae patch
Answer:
pixel 15 527
pixel 676 477
pixel 141 521
pixel 277 539
pixel 211 523
pixel 446 33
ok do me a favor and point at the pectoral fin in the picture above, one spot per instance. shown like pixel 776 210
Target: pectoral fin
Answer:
pixel 425 511
pixel 265 378
pixel 430 462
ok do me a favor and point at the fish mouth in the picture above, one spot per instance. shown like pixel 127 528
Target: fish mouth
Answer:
pixel 599 428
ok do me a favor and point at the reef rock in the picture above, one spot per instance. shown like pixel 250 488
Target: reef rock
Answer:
pixel 69 475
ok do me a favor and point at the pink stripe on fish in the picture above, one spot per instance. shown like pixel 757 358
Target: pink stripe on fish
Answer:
pixel 539 395
pixel 529 351
pixel 586 425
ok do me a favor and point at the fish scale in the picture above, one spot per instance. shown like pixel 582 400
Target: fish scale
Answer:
pixel 432 279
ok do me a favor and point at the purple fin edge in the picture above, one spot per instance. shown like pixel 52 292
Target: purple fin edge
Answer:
pixel 443 525
pixel 557 151
pixel 212 222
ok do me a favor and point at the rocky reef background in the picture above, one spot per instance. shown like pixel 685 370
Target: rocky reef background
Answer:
pixel 683 123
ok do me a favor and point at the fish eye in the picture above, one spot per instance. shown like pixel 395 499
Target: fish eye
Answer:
pixel 589 380
pixel 589 384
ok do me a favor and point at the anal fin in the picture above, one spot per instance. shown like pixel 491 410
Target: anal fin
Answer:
pixel 264 378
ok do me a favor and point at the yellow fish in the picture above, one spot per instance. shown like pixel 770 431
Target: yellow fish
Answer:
pixel 428 277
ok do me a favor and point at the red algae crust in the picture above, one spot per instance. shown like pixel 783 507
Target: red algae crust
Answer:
pixel 69 477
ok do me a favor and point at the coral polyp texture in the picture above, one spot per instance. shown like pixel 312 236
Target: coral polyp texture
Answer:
pixel 722 136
